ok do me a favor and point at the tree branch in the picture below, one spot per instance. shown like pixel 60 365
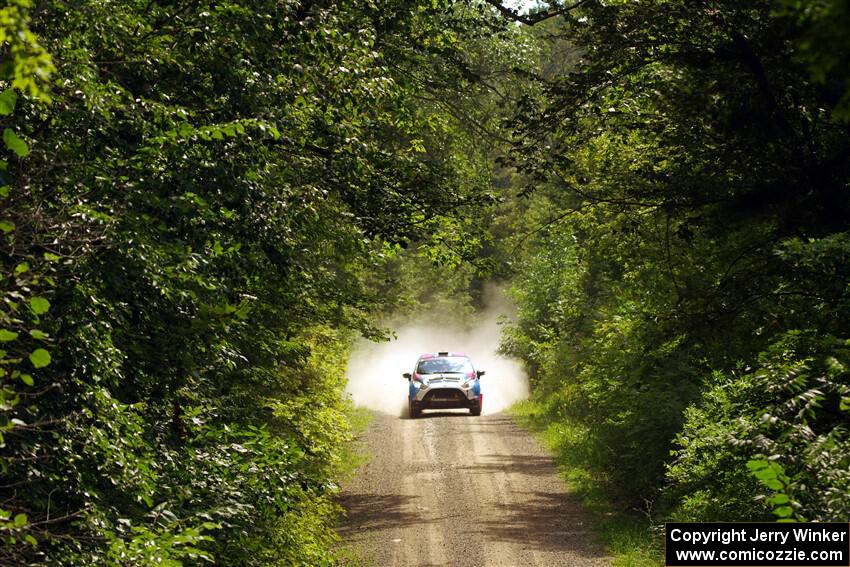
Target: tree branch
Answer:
pixel 754 65
pixel 544 226
pixel 535 18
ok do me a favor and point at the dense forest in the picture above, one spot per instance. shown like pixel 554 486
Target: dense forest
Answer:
pixel 203 203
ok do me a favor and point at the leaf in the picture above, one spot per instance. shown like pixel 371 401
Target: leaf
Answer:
pixel 22 268
pixel 40 358
pixel 7 226
pixel 20 520
pixel 770 473
pixel 783 511
pixel 39 305
pixel 186 130
pixel 38 334
pixel 8 98
pixel 7 335
pixel 772 483
pixel 14 143
pixel 778 499
pixel 27 379
pixel 51 257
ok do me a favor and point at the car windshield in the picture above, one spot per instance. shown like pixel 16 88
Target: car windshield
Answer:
pixel 444 364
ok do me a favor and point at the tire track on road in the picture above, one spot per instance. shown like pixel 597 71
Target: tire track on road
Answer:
pixel 450 489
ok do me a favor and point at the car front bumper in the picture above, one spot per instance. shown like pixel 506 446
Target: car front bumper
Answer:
pixel 446 397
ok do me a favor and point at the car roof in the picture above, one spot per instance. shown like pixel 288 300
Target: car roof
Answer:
pixel 428 355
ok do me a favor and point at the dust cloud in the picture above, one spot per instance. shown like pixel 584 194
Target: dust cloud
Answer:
pixel 375 369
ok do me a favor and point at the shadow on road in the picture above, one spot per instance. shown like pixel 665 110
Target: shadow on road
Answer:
pixel 544 522
pixel 510 464
pixel 376 512
pixel 366 512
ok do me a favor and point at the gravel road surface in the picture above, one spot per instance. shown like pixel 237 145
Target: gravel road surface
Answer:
pixel 449 489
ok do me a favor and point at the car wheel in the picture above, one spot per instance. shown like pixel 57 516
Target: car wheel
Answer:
pixel 413 410
pixel 476 410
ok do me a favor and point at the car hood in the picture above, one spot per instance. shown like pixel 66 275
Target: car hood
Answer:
pixel 445 377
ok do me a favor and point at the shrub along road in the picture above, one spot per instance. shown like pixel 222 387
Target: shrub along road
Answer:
pixel 451 489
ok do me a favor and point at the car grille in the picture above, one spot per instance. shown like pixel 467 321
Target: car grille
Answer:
pixel 447 397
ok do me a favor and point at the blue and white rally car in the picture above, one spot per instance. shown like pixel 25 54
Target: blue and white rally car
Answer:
pixel 444 380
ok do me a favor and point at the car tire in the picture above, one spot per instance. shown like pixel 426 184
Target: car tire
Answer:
pixel 413 410
pixel 475 410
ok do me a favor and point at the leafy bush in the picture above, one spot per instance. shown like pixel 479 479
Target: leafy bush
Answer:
pixel 786 417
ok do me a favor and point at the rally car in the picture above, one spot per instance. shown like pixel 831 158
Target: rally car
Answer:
pixel 443 380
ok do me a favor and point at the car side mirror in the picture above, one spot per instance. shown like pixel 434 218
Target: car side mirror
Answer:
pixel 481 373
pixel 407 375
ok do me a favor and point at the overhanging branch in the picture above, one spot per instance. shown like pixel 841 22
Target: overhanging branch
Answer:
pixel 535 18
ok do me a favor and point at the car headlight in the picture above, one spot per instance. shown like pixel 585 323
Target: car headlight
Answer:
pixel 468 383
pixel 421 383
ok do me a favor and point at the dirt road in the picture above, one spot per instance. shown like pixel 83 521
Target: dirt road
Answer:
pixel 449 489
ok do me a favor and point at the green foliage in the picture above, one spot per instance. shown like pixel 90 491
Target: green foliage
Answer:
pixel 28 66
pixel 421 282
pixel 196 199
pixel 784 421
pixel 607 365
pixel 772 475
pixel 14 143
pixel 40 358
pixel 822 47
pixel 684 170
